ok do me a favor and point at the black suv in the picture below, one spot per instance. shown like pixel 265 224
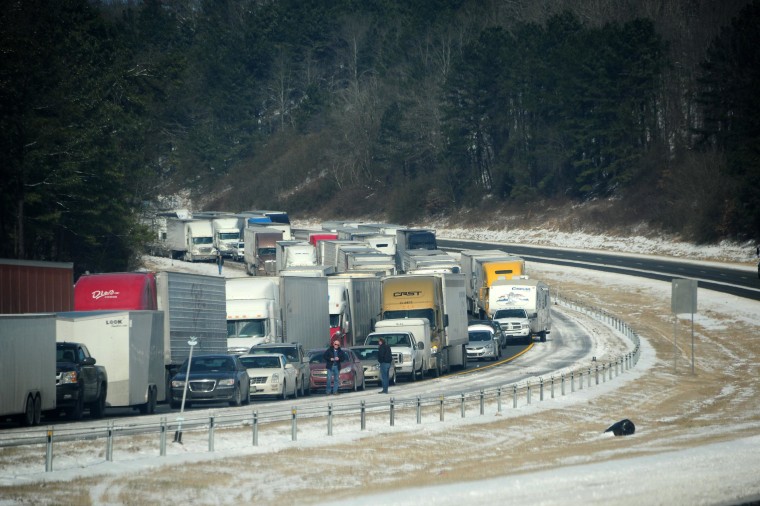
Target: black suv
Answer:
pixel 296 355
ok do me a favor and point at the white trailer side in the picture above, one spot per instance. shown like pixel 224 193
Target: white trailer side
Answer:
pixel 130 345
pixel 27 365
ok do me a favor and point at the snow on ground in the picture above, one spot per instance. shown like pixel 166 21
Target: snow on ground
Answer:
pixel 711 458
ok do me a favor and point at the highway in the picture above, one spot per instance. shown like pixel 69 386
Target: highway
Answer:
pixel 739 282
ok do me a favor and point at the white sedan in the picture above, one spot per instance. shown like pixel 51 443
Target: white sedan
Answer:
pixel 270 375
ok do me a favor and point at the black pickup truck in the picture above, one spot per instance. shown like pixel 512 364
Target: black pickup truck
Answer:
pixel 79 383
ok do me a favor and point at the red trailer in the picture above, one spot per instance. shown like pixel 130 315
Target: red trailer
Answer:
pixel 28 286
pixel 116 291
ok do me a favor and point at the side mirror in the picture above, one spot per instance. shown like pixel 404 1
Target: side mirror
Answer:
pixel 534 315
pixel 420 345
pixel 88 361
pixel 288 366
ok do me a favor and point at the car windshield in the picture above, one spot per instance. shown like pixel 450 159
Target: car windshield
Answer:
pixel 366 353
pixel 510 313
pixel 261 362
pixel 391 339
pixel 288 351
pixel 480 335
pixel 209 364
pixel 316 357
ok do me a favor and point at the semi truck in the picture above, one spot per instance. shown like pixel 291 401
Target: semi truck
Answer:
pixel 28 286
pixel 276 220
pixel 354 305
pixel 253 313
pixel 259 253
pixel 27 362
pixel 489 271
pixel 226 235
pixel 439 298
pixel 528 294
pixel 481 269
pixel 428 262
pixel 408 239
pixel 193 306
pixel 191 240
pixel 130 345
pixel 305 314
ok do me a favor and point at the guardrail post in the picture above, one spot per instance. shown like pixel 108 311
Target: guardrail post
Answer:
pixel 589 377
pixel 482 402
pixel 294 424
pixel 572 381
pixel 329 419
pixel 163 436
pixel 255 428
pixel 498 400
pixel 552 386
pixel 109 443
pixel 527 388
pixel 609 367
pixel 514 396
pixel 419 410
pixel 541 389
pixel 440 400
pixel 462 405
pixel 562 384
pixel 49 450
pixel 211 428
pixel 393 412
pixel 363 416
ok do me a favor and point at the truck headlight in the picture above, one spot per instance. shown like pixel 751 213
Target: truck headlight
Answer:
pixel 68 377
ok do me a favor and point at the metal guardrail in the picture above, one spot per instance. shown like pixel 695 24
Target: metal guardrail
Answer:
pixel 564 382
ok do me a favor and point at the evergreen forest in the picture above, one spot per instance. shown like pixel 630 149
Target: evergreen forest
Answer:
pixel 114 110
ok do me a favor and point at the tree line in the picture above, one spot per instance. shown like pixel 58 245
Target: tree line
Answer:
pixel 405 110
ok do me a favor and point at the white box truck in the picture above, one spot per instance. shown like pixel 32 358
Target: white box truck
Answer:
pixel 130 345
pixel 528 294
pixel 411 346
pixel 294 254
pixel 27 366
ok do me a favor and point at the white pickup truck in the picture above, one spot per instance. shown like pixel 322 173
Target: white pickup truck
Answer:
pixel 409 339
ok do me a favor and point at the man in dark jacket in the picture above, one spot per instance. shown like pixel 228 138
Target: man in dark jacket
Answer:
pixel 385 358
pixel 333 356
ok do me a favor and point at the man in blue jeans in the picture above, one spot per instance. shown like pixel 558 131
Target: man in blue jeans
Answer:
pixel 384 357
pixel 333 356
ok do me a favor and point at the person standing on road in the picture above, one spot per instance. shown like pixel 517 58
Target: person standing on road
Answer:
pixel 333 356
pixel 385 358
pixel 219 261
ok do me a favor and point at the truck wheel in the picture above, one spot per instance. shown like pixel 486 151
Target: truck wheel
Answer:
pixel 27 419
pixel 542 336
pixel 76 411
pixel 98 407
pixel 149 407
pixel 302 392
pixel 414 372
pixel 37 409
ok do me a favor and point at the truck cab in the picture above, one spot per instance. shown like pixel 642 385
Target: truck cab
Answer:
pixel 79 382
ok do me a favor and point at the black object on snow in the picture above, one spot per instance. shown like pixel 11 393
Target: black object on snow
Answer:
pixel 622 428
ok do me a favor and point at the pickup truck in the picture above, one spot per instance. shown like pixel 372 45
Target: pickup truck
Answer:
pixel 79 383
pixel 408 355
